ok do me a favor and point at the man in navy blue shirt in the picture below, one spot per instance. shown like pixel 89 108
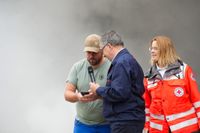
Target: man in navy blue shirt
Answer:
pixel 123 105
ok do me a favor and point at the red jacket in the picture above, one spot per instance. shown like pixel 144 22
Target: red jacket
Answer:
pixel 172 101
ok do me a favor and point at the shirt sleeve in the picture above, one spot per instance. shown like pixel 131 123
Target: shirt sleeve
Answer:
pixel 72 76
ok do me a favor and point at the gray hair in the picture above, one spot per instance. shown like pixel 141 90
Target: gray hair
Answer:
pixel 111 37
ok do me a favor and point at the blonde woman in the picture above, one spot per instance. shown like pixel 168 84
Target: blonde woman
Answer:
pixel 171 91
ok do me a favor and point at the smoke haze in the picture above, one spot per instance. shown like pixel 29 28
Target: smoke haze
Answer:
pixel 41 39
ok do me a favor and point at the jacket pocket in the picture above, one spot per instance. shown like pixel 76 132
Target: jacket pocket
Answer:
pixel 180 98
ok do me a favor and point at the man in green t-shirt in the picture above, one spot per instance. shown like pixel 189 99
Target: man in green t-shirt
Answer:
pixel 89 118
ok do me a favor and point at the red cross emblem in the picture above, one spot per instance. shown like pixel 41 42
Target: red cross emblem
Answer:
pixel 179 92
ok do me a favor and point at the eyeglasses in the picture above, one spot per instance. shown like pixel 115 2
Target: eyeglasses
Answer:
pixel 104 46
pixel 153 48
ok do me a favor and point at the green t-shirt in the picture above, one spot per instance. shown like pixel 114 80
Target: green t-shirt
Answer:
pixel 90 112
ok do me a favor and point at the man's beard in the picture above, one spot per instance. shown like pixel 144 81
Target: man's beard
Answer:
pixel 94 62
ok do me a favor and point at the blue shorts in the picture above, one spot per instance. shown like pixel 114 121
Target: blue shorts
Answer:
pixel 83 128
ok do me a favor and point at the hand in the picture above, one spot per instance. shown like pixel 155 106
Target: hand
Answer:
pixel 93 87
pixel 91 96
pixel 86 98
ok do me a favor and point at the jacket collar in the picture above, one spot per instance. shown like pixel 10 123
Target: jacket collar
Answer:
pixel 122 52
pixel 172 69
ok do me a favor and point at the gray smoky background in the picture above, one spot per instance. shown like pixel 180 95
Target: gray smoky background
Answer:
pixel 41 39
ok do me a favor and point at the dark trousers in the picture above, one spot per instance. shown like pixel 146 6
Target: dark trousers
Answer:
pixel 127 127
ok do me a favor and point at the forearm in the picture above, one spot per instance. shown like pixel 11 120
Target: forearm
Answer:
pixel 112 95
pixel 71 96
pixel 75 97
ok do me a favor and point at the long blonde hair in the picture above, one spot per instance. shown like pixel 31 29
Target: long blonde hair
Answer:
pixel 167 52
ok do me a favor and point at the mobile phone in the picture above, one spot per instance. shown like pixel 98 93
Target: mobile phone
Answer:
pixel 84 93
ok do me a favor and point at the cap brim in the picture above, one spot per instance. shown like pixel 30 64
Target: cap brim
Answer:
pixel 91 49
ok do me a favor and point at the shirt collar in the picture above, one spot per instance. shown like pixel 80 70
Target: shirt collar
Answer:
pixel 117 54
